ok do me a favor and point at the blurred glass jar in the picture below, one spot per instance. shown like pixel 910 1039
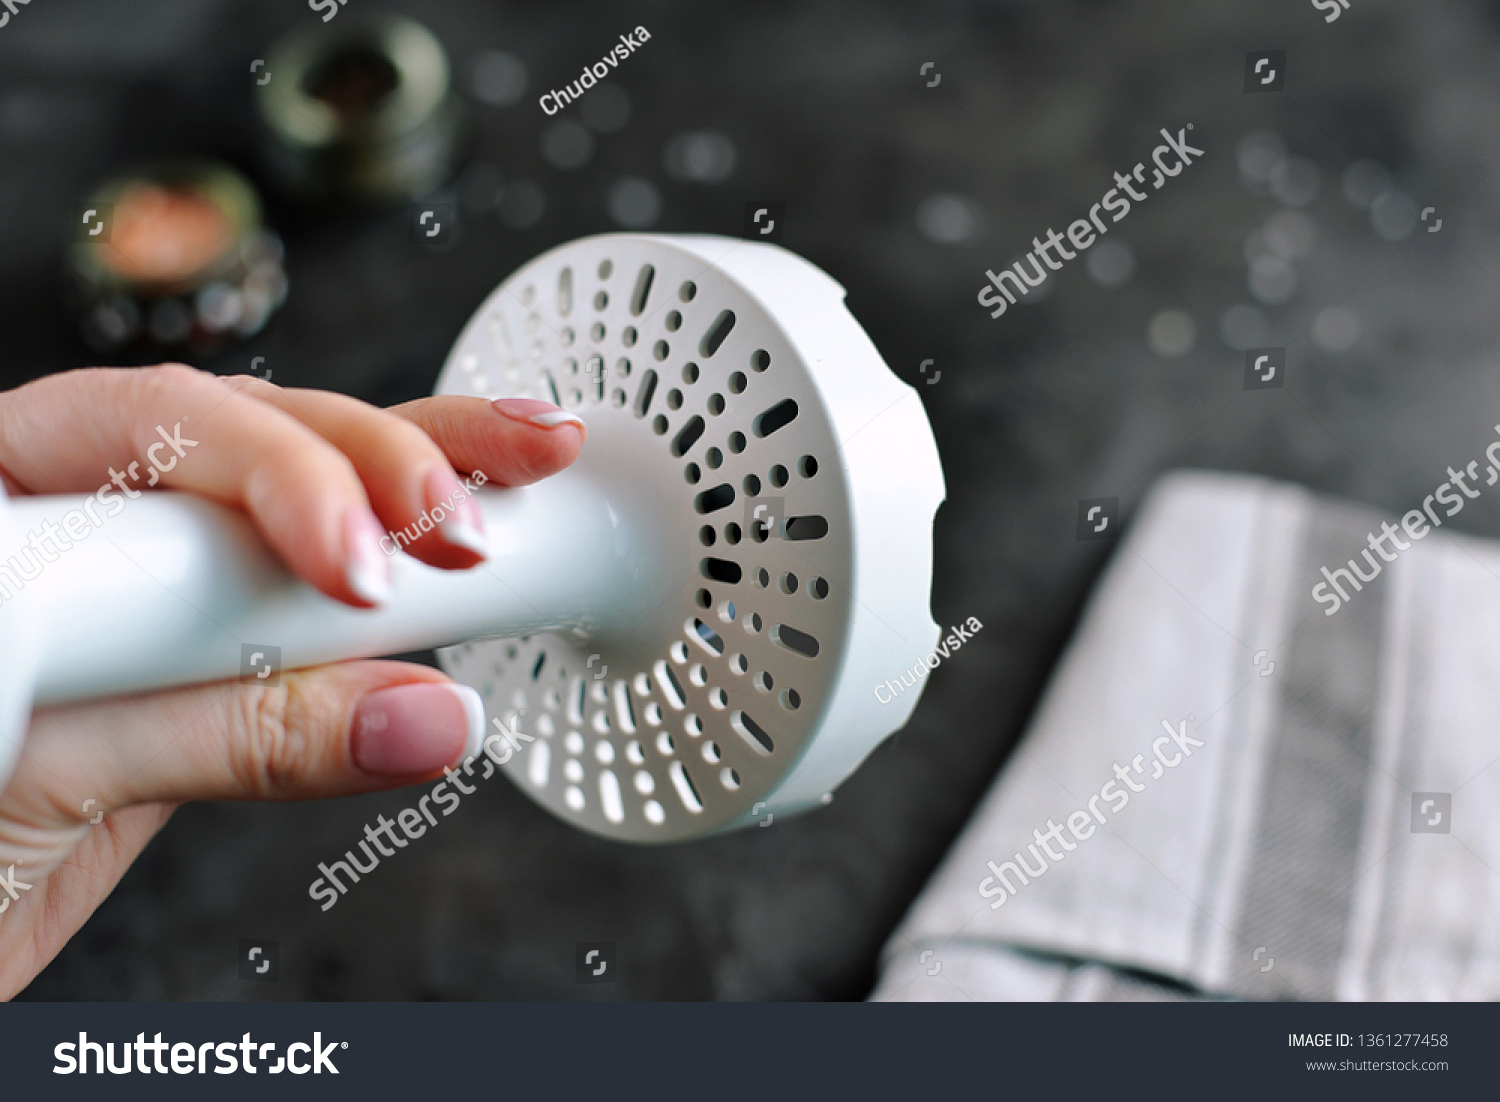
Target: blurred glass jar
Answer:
pixel 361 109
pixel 175 256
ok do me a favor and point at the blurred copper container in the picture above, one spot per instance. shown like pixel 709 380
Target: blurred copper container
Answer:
pixel 174 256
pixel 363 108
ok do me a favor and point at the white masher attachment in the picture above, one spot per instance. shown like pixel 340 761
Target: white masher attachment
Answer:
pixel 682 633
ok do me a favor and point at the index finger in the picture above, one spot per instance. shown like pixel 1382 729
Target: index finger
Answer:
pixel 67 433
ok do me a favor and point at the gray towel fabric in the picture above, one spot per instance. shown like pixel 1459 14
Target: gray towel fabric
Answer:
pixel 1306 809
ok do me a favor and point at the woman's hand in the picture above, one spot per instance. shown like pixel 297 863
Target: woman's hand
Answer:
pixel 324 478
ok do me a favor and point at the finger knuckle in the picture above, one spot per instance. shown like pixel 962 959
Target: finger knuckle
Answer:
pixel 153 388
pixel 269 753
pixel 169 378
pixel 253 386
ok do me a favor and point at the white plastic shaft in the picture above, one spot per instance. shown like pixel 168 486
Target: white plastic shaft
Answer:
pixel 167 592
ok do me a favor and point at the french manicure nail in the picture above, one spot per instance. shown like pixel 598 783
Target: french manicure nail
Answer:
pixel 462 524
pixel 417 728
pixel 535 412
pixel 366 567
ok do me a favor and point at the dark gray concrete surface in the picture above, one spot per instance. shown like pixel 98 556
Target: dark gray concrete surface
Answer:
pixel 1056 401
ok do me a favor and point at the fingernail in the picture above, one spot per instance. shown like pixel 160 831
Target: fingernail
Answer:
pixel 417 728
pixel 366 567
pixel 462 524
pixel 542 414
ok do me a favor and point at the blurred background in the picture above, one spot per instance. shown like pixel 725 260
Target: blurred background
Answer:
pixel 1305 226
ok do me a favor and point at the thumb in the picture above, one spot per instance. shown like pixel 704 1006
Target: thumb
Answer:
pixel 326 731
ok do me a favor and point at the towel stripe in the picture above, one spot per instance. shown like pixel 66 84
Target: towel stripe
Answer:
pixel 1296 896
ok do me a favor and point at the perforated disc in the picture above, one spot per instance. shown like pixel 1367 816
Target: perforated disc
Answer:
pixel 742 425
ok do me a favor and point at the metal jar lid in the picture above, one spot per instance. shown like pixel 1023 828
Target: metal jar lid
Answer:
pixel 362 109
pixel 174 256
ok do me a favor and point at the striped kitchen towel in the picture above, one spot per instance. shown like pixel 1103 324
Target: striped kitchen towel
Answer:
pixel 1265 768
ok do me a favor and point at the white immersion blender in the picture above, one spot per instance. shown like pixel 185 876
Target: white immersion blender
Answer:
pixel 692 618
